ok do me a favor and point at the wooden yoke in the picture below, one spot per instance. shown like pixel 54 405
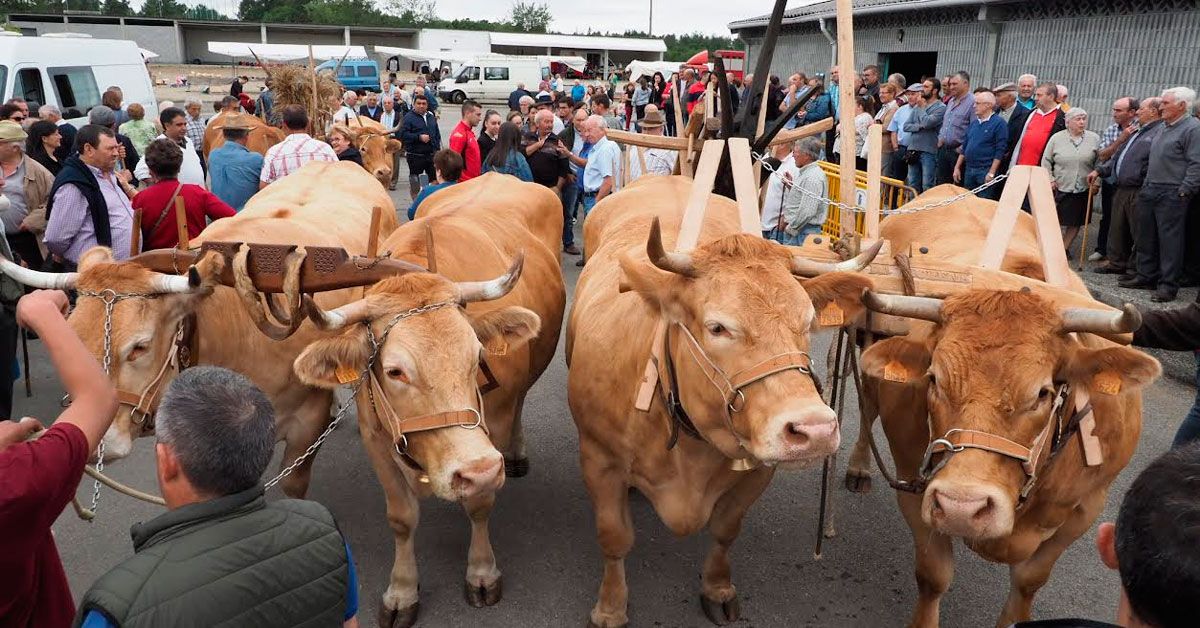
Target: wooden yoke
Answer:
pixel 325 268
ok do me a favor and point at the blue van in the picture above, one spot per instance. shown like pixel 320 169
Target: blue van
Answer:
pixel 359 75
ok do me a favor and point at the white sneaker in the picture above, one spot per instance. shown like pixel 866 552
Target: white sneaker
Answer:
pixel 1095 256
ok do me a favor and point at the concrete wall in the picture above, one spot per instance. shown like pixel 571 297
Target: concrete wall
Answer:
pixel 1099 49
pixel 461 42
pixel 160 39
pixel 195 42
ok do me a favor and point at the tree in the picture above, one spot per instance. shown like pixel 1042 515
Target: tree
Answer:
pixel 202 12
pixel 414 11
pixel 119 8
pixel 530 17
pixel 163 8
pixel 82 5
pixel 342 12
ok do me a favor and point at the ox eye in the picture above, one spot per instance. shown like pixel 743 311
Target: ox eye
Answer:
pixel 137 351
pixel 717 329
pixel 398 375
pixel 1045 395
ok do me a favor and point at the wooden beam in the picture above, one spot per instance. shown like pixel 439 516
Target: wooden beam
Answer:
pixel 845 52
pixel 812 128
pixel 744 186
pixel 1045 216
pixel 679 105
pixel 874 180
pixel 1005 219
pixel 135 239
pixel 181 224
pixel 702 185
pixel 758 130
pixel 647 141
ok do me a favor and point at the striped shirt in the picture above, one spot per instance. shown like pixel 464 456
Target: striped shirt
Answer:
pixel 70 232
pixel 291 154
pixel 195 130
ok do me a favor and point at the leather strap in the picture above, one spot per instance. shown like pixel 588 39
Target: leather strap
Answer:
pixel 401 427
pixel 437 421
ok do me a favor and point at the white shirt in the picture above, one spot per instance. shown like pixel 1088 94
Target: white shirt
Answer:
pixel 659 161
pixel 773 201
pixel 389 119
pixel 558 125
pixel 344 115
pixel 189 172
pixel 293 152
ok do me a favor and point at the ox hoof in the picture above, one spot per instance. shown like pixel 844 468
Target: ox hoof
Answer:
pixel 858 481
pixel 399 617
pixel 518 468
pixel 721 613
pixel 480 596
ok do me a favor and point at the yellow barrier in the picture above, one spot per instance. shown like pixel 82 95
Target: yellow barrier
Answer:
pixel 894 194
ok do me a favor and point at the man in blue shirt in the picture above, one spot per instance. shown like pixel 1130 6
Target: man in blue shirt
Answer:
pixel 983 147
pixel 912 100
pixel 922 128
pixel 233 169
pixel 960 110
pixel 1025 88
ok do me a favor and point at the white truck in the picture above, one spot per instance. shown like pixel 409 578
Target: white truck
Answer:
pixel 493 77
pixel 72 73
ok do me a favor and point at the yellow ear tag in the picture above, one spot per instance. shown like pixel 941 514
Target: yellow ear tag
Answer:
pixel 895 372
pixel 345 374
pixel 1107 382
pixel 497 347
pixel 831 315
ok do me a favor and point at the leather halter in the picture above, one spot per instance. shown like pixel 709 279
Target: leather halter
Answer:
pixel 1059 429
pixel 466 418
pixel 730 387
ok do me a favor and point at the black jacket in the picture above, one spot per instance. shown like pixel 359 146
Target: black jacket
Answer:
pixel 1173 330
pixel 75 172
pixel 414 127
pixel 67 131
pixel 365 111
pixel 351 154
pixel 1016 125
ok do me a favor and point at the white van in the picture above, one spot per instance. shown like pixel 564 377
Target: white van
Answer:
pixel 73 72
pixel 493 77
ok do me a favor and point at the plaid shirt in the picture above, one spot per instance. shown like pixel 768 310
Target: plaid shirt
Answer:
pixel 195 131
pixel 293 152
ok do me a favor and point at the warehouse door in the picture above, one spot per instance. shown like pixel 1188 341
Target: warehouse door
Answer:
pixel 913 65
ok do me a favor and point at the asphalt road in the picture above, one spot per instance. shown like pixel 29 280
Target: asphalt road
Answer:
pixel 544 538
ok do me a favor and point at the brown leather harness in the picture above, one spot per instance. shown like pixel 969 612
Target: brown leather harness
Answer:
pixel 401 427
pixel 730 387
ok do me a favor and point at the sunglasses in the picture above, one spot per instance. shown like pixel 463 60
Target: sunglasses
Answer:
pixel 17 118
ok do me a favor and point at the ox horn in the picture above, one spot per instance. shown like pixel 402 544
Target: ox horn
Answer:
pixel 805 267
pixel 338 318
pixel 1078 319
pixel 492 289
pixel 175 284
pixel 923 308
pixel 37 279
pixel 678 263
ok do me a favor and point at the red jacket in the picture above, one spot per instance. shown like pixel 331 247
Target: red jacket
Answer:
pixel 199 205
pixel 695 93
pixel 464 142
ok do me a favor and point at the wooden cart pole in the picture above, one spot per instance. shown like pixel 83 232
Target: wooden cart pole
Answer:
pixel 758 131
pixel 181 223
pixel 845 53
pixel 874 181
pixel 312 114
pixel 373 234
pixel 135 238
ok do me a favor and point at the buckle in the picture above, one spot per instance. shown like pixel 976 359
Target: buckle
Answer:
pixel 737 395
pixel 478 419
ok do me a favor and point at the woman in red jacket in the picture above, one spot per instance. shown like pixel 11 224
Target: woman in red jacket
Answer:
pixel 157 202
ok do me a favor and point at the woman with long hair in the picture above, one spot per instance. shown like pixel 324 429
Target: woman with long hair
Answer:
pixel 628 92
pixel 657 85
pixel 668 104
pixel 506 156
pixel 44 138
pixel 487 134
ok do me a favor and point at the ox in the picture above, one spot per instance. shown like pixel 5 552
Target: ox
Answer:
pixel 261 137
pixel 428 363
pixel 326 204
pixel 736 361
pixel 376 146
pixel 992 376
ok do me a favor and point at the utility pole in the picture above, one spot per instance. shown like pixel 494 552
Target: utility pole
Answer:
pixel 650 32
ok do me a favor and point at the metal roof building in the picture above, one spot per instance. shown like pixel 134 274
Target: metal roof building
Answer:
pixel 1100 49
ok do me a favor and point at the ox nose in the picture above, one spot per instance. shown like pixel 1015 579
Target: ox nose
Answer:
pixel 964 511
pixel 812 438
pixel 480 476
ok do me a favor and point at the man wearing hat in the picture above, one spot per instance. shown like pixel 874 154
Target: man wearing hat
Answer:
pixel 174 125
pixel 652 161
pixel 26 187
pixel 912 100
pixel 546 102
pixel 1006 100
pixel 233 168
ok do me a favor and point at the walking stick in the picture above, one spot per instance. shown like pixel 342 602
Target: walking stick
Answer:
pixel 25 354
pixel 1087 217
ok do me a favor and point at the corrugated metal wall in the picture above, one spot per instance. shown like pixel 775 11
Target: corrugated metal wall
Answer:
pixel 1099 50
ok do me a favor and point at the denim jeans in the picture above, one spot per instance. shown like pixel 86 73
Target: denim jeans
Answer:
pixel 589 201
pixel 570 199
pixel 921 173
pixel 975 176
pixel 782 237
pixel 1189 430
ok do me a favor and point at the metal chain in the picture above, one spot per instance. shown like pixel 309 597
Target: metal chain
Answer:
pixel 885 212
pixel 110 298
pixel 362 377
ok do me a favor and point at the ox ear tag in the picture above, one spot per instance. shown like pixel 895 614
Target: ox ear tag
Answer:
pixel 831 315
pixel 345 374
pixel 1107 382
pixel 496 346
pixel 895 371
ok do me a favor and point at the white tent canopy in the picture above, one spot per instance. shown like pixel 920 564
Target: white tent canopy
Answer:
pixel 284 52
pixel 648 68
pixel 147 54
pixel 579 64
pixel 435 57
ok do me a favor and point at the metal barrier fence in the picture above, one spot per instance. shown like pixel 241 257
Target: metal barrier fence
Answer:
pixel 894 194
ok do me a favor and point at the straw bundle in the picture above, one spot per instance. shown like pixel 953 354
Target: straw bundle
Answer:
pixel 293 85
